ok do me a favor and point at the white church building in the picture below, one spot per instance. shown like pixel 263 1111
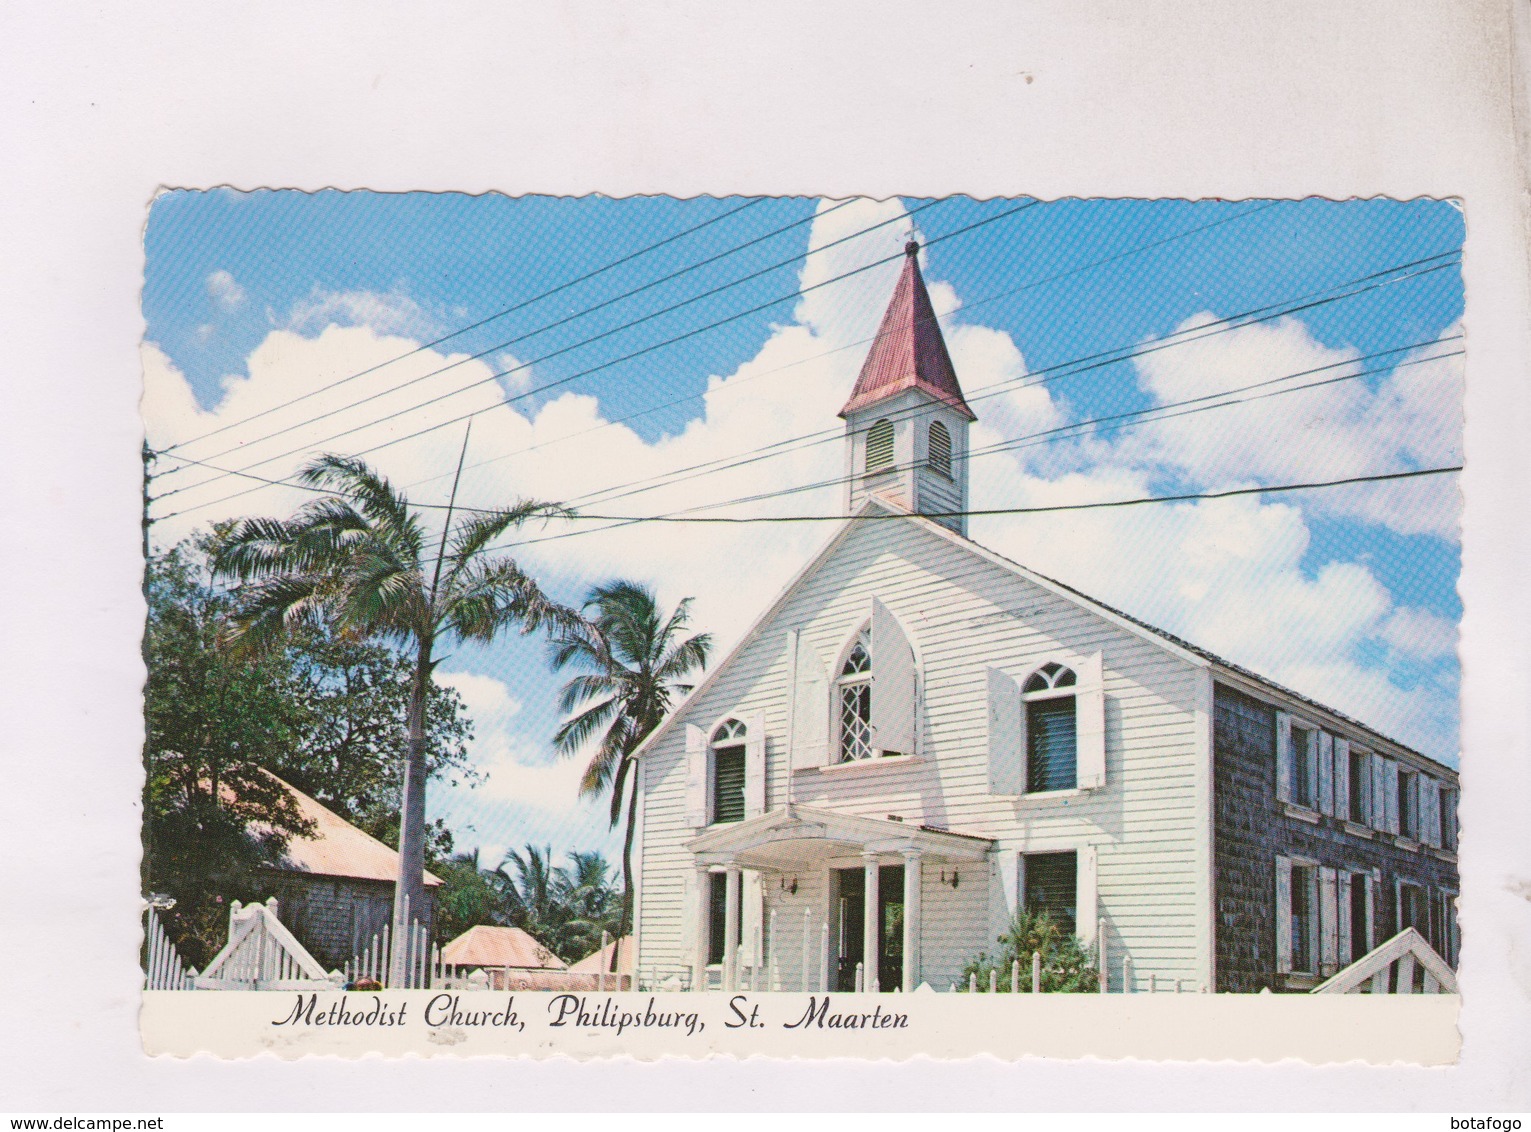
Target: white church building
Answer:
pixel 920 737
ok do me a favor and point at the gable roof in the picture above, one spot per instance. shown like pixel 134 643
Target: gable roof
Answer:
pixel 599 960
pixel 909 351
pixel 336 848
pixel 492 945
pixel 1193 654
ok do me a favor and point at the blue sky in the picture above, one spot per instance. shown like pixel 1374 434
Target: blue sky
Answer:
pixel 1349 595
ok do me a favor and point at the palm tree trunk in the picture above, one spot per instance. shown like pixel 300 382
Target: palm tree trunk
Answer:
pixel 626 926
pixel 410 890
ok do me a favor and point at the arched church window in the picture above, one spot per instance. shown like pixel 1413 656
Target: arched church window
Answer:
pixel 1052 733
pixel 880 446
pixel 855 692
pixel 939 449
pixel 728 763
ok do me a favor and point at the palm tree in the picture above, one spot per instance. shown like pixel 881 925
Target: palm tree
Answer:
pixel 358 560
pixel 635 661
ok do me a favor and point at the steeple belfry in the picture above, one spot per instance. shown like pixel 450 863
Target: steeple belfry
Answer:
pixel 906 423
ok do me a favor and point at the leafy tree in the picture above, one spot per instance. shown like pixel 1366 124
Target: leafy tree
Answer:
pixel 358 560
pixel 323 713
pixel 635 660
pixel 565 908
pixel 1066 963
pixel 469 895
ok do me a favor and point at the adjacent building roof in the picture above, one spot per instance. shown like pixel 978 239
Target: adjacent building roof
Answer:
pixel 599 961
pixel 490 945
pixel 909 351
pixel 337 848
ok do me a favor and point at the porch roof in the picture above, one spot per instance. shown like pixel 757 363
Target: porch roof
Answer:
pixel 788 836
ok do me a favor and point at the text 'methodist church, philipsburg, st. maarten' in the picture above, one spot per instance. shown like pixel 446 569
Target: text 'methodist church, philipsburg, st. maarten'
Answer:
pixel 920 736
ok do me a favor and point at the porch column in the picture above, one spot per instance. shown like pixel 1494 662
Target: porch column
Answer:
pixel 731 927
pixel 911 919
pixel 871 949
pixel 702 911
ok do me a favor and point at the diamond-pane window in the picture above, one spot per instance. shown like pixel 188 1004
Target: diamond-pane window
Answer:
pixel 856 702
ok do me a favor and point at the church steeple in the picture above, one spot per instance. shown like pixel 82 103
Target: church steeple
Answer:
pixel 906 422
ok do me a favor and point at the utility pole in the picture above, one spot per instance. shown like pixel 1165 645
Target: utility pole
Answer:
pixel 146 522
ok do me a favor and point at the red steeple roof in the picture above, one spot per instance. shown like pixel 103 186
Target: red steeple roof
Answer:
pixel 909 352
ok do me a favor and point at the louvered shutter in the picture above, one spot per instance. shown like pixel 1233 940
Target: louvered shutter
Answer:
pixel 696 776
pixel 754 765
pixel 1087 912
pixel 1379 791
pixel 1344 882
pixel 1284 759
pixel 1007 740
pixel 810 705
pixel 1373 886
pixel 1342 778
pixel 1326 772
pixel 1090 721
pixel 751 918
pixel 1390 793
pixel 1283 914
pixel 1328 921
pixel 1430 795
pixel 893 684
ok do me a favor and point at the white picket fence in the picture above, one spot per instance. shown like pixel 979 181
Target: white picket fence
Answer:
pixel 1391 969
pixel 163 968
pixel 404 960
pixel 262 954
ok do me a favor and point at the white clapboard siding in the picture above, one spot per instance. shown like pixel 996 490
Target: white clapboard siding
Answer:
pixel 963 616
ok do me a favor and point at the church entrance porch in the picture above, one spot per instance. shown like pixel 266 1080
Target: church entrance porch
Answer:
pixel 802 899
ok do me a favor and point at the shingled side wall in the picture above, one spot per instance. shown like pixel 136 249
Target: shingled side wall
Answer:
pixel 1251 828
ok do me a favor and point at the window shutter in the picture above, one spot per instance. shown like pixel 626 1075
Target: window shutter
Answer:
pixel 1087 914
pixel 1342 778
pixel 1090 722
pixel 751 919
pixel 1430 806
pixel 696 776
pixel 688 940
pixel 1344 881
pixel 754 765
pixel 1283 914
pixel 1284 764
pixel 1390 794
pixel 1007 738
pixel 1379 792
pixel 810 704
pixel 1373 885
pixel 1328 921
pixel 1325 793
pixel 893 684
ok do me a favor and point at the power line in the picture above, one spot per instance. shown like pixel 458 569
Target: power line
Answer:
pixel 474 326
pixel 1180 498
pixel 1032 439
pixel 1070 368
pixel 735 382
pixel 562 322
pixel 790 296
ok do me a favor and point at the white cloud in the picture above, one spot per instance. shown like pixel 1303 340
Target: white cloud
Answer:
pixel 387 312
pixel 225 290
pixel 1408 418
pixel 1420 634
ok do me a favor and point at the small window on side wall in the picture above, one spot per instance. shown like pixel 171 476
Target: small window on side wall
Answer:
pixel 1052 737
pixel 728 772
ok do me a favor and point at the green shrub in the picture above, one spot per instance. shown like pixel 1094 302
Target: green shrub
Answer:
pixel 1067 966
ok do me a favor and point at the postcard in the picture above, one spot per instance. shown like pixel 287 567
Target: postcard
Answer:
pixel 805 626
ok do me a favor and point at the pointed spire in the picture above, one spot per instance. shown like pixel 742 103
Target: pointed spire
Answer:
pixel 909 351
